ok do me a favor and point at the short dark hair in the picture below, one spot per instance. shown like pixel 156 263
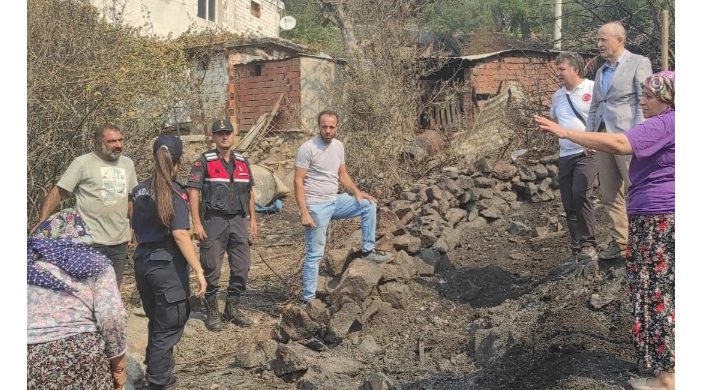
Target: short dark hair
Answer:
pixel 329 113
pixel 573 59
pixel 99 131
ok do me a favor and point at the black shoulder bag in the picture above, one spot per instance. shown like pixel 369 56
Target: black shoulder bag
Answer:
pixel 575 110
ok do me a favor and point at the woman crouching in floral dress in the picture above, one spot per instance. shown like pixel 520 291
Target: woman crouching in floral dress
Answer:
pixel 76 323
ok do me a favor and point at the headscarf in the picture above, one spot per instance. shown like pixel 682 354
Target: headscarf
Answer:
pixel 63 241
pixel 662 84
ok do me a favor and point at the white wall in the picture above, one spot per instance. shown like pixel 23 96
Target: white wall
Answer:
pixel 213 81
pixel 163 17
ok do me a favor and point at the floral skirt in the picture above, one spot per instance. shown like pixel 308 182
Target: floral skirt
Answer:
pixel 650 271
pixel 74 363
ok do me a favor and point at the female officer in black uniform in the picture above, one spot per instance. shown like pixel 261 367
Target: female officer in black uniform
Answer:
pixel 161 222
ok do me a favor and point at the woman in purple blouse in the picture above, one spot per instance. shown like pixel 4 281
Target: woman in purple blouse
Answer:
pixel 650 255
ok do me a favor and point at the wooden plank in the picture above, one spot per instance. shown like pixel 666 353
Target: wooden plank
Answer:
pixel 259 126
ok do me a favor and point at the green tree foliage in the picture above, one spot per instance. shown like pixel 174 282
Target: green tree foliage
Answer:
pixel 459 16
pixel 311 28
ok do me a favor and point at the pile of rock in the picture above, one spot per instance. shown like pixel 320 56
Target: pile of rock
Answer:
pixel 420 227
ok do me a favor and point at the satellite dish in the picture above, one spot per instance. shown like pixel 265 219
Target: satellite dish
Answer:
pixel 287 22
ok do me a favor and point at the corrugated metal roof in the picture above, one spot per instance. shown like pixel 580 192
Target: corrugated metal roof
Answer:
pixel 480 57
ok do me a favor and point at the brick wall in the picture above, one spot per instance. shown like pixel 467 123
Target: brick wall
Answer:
pixel 251 94
pixel 534 73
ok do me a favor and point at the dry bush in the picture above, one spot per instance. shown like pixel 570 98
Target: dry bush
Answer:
pixel 84 71
pixel 379 97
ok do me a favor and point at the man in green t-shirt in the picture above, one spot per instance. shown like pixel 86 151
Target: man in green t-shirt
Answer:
pixel 101 181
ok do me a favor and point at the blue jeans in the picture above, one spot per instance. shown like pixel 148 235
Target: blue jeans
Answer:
pixel 345 206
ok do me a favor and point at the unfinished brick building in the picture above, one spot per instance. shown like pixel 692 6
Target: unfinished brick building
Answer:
pixel 485 76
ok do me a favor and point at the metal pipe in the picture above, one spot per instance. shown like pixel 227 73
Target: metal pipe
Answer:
pixel 557 34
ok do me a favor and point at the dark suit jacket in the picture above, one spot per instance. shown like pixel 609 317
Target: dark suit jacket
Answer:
pixel 620 105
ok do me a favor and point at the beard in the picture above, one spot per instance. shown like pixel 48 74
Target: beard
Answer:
pixel 112 155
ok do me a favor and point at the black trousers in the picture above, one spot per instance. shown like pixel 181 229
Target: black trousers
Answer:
pixel 577 174
pixel 118 254
pixel 162 279
pixel 225 233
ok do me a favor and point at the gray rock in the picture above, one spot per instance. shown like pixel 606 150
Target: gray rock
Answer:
pixel 406 195
pixel 476 223
pixel 426 267
pixel 508 196
pixel 443 207
pixel 434 193
pixel 428 238
pixel 530 189
pixel 318 312
pixel 336 259
pixel 483 166
pixel 396 294
pixel 504 171
pixel 554 173
pixel 540 231
pixel 387 221
pixel 359 280
pixel 249 356
pixel 449 185
pixel 544 184
pixel 552 159
pixel 395 272
pixel 518 228
pixel 465 182
pixel 341 322
pixel 296 323
pixel 368 346
pixel 454 216
pixel 292 358
pixel 400 208
pixel 491 213
pixel 540 171
pixel 484 193
pixel 373 305
pixel 407 243
pixel 526 173
pixel 354 241
pixel 378 381
pixel 503 186
pixel 314 344
pixel 483 182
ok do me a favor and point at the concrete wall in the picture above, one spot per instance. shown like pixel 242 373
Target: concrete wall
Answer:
pixel 317 76
pixel 212 80
pixel 163 17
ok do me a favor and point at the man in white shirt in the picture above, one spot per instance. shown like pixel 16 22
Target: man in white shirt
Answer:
pixel 577 167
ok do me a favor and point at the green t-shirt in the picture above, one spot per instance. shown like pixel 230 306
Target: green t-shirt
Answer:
pixel 102 188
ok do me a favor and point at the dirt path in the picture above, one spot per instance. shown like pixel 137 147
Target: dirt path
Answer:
pixel 559 342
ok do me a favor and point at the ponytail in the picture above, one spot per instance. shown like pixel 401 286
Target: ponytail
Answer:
pixel 161 185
